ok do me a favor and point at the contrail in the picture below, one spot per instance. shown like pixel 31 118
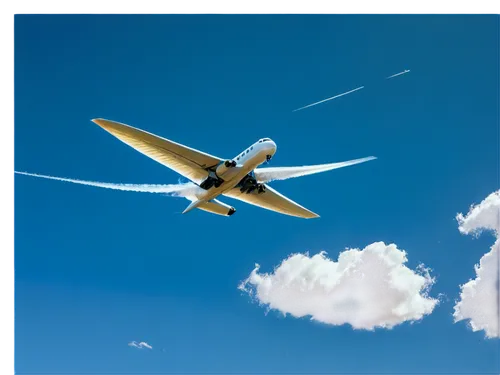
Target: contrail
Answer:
pixel 325 100
pixel 187 190
pixel 398 74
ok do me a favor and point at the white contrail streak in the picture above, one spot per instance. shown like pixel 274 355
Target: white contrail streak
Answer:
pixel 398 74
pixel 182 190
pixel 283 173
pixel 325 100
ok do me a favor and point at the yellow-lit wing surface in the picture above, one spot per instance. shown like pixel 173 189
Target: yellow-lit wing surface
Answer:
pixel 184 160
pixel 272 200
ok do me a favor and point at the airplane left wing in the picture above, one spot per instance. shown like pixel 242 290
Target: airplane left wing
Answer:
pixel 272 200
pixel 283 173
pixel 186 161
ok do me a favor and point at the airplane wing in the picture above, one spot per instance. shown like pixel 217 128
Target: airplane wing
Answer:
pixel 272 200
pixel 186 161
pixel 283 173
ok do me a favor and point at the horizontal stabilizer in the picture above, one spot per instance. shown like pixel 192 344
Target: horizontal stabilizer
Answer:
pixel 217 207
pixel 193 205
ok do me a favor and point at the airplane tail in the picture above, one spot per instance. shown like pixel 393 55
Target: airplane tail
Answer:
pixel 193 205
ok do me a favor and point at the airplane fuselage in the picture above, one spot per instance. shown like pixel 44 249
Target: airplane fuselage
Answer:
pixel 230 173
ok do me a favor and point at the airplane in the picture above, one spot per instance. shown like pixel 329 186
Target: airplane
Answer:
pixel 237 178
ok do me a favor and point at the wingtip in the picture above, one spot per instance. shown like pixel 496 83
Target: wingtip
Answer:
pixel 312 215
pixel 99 121
pixel 108 125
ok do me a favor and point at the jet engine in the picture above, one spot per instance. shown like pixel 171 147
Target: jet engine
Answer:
pixel 217 207
pixel 224 166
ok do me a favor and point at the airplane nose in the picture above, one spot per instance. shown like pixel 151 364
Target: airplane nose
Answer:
pixel 273 146
pixel 270 149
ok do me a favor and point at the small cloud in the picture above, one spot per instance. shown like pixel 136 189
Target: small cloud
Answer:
pixel 366 288
pixel 479 298
pixel 484 216
pixel 140 345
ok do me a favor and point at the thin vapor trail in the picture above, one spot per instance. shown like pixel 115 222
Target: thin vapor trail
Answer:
pixel 182 190
pixel 325 100
pixel 398 74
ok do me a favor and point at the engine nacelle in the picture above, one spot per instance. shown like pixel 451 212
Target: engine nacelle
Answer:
pixel 217 207
pixel 224 167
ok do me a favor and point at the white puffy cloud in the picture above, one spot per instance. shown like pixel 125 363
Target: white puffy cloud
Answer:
pixel 479 298
pixel 140 345
pixel 366 288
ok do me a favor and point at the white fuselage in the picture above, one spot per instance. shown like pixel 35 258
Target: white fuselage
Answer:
pixel 246 162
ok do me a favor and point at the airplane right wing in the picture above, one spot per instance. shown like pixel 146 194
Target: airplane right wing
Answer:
pixel 272 200
pixel 186 161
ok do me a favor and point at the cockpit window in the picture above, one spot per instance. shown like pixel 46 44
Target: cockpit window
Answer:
pixel 266 139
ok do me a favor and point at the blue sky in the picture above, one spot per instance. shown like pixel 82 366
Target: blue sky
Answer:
pixel 96 269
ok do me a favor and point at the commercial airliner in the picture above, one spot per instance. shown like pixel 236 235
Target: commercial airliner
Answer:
pixel 237 178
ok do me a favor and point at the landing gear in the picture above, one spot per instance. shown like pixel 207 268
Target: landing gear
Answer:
pixel 210 182
pixel 261 188
pixel 249 184
pixel 251 188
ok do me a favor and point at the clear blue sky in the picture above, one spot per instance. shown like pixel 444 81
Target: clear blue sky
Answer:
pixel 96 269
